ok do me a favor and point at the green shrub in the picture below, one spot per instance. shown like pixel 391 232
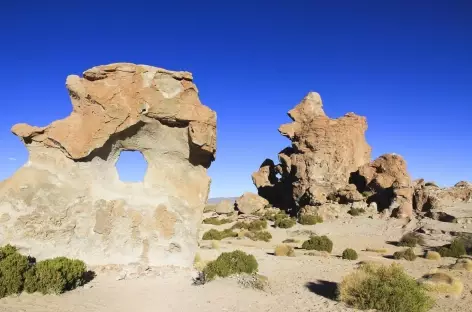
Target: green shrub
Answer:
pixel 216 221
pixel 455 249
pixel 407 254
pixel 218 235
pixel 310 219
pixel 229 263
pixel 383 288
pixel 285 223
pixel 274 215
pixel 349 254
pixel 55 276
pixel 256 225
pixel 259 236
pixel 13 267
pixel 410 240
pixel 356 211
pixel 320 243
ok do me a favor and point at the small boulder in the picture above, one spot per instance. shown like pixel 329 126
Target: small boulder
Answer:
pixel 225 207
pixel 348 194
pixel 249 203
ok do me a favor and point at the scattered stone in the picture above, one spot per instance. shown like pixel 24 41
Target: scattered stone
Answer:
pixel 250 203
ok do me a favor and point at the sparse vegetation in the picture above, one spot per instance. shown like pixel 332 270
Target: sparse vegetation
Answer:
pixel 320 243
pixel 216 221
pixel 367 194
pixel 306 219
pixel 455 249
pixel 349 254
pixel 284 250
pixel 229 263
pixel 218 235
pixel 21 273
pixel 384 288
pixel 356 211
pixel 285 223
pixel 259 236
pixel 442 283
pixel 256 225
pixel 209 208
pixel 275 215
pixel 432 255
pixel 411 240
pixel 407 254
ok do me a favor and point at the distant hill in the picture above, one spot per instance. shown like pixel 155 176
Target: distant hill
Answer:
pixel 216 200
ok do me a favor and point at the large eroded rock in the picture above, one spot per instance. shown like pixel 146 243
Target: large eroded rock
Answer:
pixel 67 200
pixel 387 179
pixel 323 154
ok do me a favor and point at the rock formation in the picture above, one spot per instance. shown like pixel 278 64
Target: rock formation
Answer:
pixel 323 154
pixel 67 200
pixel 249 203
pixel 388 183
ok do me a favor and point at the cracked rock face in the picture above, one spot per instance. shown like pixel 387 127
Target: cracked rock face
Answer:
pixel 67 200
pixel 323 154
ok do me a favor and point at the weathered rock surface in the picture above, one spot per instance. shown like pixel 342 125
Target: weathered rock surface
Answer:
pixel 388 180
pixel 225 207
pixel 323 154
pixel 67 200
pixel 249 203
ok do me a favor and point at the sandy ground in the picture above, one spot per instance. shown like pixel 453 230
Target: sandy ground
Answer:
pixel 301 283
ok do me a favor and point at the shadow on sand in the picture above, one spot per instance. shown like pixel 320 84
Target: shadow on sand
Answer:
pixel 323 288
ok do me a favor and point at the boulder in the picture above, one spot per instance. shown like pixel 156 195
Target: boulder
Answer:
pixel 225 207
pixel 68 199
pixel 250 203
pixel 348 194
pixel 388 180
pixel 322 155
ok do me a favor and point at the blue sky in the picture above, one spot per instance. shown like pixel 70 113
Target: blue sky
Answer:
pixel 405 65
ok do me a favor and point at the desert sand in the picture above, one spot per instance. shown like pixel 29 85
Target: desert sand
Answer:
pixel 301 283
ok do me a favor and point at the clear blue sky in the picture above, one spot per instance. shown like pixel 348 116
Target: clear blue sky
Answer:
pixel 406 65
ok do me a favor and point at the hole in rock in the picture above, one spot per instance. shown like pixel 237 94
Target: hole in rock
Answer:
pixel 131 166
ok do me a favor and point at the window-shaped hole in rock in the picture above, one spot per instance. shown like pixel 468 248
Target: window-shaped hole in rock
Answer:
pixel 131 166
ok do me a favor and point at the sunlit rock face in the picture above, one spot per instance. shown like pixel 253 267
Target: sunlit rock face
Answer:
pixel 67 200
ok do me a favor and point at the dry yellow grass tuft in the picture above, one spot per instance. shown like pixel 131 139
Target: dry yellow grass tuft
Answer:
pixel 442 282
pixel 215 245
pixel 377 250
pixel 432 255
pixel 462 264
pixel 198 263
pixel 284 250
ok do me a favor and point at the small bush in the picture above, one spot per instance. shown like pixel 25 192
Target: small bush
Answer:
pixel 259 236
pixel 442 283
pixel 256 225
pixel 411 240
pixel 407 254
pixel 216 221
pixel 310 219
pixel 349 254
pixel 455 249
pixel 384 288
pixel 284 251
pixel 432 255
pixel 274 215
pixel 356 211
pixel 13 268
pixel 218 235
pixel 229 263
pixel 55 276
pixel 285 223
pixel 320 243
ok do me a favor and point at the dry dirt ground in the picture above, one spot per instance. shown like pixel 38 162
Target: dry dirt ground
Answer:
pixel 301 283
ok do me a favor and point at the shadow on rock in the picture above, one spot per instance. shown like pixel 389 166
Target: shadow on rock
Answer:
pixel 323 288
